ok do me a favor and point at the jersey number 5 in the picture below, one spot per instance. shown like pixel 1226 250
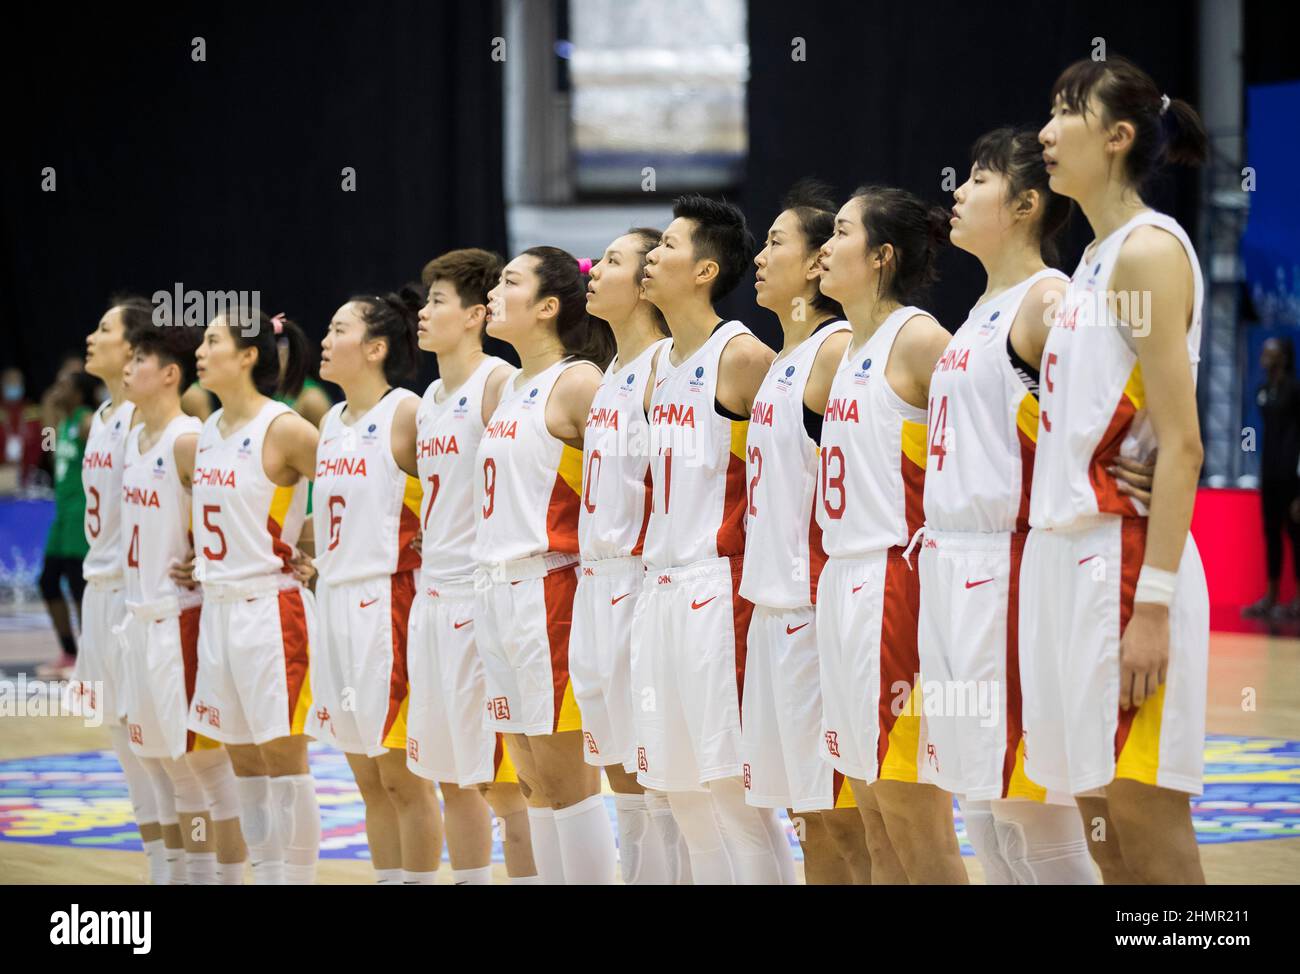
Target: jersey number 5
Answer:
pixel 211 528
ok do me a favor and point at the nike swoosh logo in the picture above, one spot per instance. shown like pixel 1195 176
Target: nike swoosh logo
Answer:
pixel 856 587
pixel 982 581
pixel 462 624
pixel 791 630
pixel 370 602
pixel 203 449
pixel 660 382
pixel 622 597
pixel 700 605
pixel 329 441
pixel 1089 558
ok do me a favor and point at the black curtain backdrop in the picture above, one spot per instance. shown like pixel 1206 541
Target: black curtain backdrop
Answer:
pixel 226 174
pixel 894 92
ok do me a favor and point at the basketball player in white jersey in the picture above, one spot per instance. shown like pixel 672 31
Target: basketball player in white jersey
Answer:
pixel 1115 614
pixel 446 740
pixel 366 519
pixel 97 677
pixel 873 460
pixel 690 624
pixel 611 533
pixel 781 726
pixel 252 691
pixel 159 634
pixel 527 490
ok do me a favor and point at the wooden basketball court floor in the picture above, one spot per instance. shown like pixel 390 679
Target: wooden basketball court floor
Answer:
pixel 1252 779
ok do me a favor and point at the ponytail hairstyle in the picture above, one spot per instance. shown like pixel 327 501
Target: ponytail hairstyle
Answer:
pixel 647 240
pixel 265 335
pixel 1164 129
pixel 560 276
pixel 394 317
pixel 915 230
pixel 1018 156
pixel 814 207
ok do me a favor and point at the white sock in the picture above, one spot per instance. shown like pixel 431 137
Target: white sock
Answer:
pixel 294 798
pixel 201 868
pixel 177 874
pixel 753 860
pixel 693 812
pixel 780 846
pixel 472 877
pixel 157 853
pixel 410 878
pixel 265 847
pixel 230 874
pixel 533 880
pixel 587 843
pixel 983 835
pixel 388 877
pixel 546 846
pixel 1044 844
pixel 641 857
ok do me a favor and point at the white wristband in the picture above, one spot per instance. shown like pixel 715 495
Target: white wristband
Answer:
pixel 1155 585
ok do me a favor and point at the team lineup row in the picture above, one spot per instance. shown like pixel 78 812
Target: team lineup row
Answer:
pixel 915 563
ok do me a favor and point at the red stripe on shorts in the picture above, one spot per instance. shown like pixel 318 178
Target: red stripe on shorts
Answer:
pixel 1133 546
pixel 557 593
pixel 900 661
pixel 742 610
pixel 189 625
pixel 401 592
pixel 293 638
pixel 1012 665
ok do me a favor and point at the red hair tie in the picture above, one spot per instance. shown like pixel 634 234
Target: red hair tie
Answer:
pixel 278 323
pixel 584 265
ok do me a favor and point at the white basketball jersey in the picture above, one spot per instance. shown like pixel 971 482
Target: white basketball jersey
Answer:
pixel 616 462
pixel 983 424
pixel 783 547
pixel 697 461
pixel 101 478
pixel 447 438
pixel 873 452
pixel 244 525
pixel 528 482
pixel 365 508
pixel 155 514
pixel 1093 403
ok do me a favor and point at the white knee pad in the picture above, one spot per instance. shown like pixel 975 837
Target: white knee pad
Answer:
pixel 255 817
pixel 185 785
pixel 984 836
pixel 745 831
pixel 163 789
pixel 217 779
pixel 139 786
pixel 1043 843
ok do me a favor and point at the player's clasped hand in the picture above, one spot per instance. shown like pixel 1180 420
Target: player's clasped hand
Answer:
pixel 1134 478
pixel 182 572
pixel 304 569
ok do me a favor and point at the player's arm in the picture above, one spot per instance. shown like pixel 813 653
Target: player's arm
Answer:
pixel 195 401
pixel 290 451
pixel 919 345
pixel 492 389
pixel 312 405
pixel 741 369
pixel 184 449
pixel 1153 264
pixel 404 436
pixel 570 402
pixel 827 362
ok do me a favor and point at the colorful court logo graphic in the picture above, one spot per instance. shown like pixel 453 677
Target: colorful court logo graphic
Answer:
pixel 1252 792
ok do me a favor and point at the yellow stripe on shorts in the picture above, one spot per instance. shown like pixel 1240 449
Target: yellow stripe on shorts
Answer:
pixel 570 717
pixel 1020 786
pixel 396 736
pixel 902 763
pixel 1140 758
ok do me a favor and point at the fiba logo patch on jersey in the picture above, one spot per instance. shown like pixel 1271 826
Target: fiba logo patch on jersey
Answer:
pixel 785 382
pixel 864 373
pixel 697 383
pixel 159 469
pixel 244 448
pixel 625 389
pixel 988 327
pixel 462 408
pixel 368 437
pixel 530 400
